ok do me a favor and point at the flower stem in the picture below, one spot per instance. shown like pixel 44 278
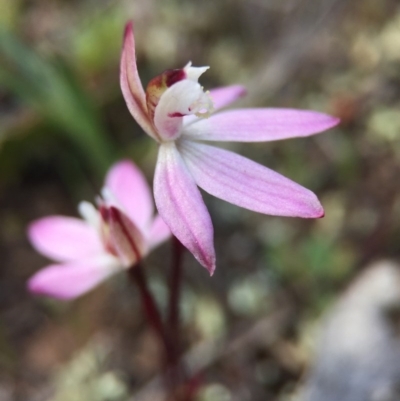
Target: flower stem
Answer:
pixel 180 386
pixel 149 305
pixel 181 389
pixel 175 290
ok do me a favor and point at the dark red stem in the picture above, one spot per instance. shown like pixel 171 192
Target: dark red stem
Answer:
pixel 175 290
pixel 149 305
pixel 181 388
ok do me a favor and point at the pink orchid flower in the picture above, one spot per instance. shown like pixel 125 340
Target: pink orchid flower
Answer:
pixel 176 112
pixel 108 240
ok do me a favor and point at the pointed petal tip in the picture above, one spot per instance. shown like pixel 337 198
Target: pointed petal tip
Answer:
pixel 208 262
pixel 35 229
pixel 334 121
pixel 128 28
pixel 30 231
pixel 318 212
pixel 242 91
pixel 33 287
pixel 211 269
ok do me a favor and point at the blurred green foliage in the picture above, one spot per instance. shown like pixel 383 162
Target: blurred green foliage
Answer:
pixel 51 88
pixel 96 44
pixel 9 13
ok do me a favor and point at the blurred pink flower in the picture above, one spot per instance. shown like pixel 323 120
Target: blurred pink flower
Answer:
pixel 170 112
pixel 108 240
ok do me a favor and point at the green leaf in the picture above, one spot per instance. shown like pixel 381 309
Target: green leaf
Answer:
pixel 52 89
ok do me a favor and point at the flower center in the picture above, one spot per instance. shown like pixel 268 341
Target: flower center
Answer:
pixel 203 106
pixel 173 95
pixel 158 85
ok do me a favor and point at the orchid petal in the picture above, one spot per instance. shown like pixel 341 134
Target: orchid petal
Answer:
pixel 183 98
pixel 225 95
pixel 129 186
pixel 181 206
pixel 259 125
pixel 159 232
pixel 64 238
pixel 245 183
pixel 70 280
pixel 131 85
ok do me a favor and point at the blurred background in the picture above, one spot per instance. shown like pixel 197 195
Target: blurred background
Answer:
pixel 253 327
